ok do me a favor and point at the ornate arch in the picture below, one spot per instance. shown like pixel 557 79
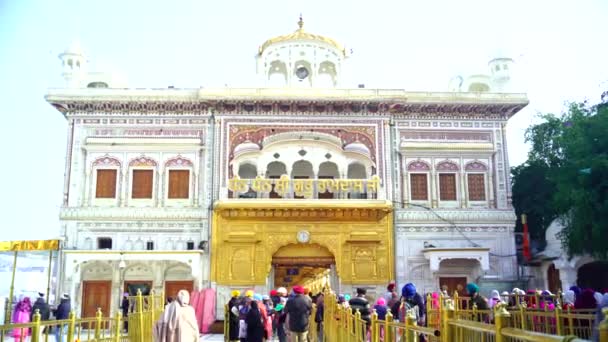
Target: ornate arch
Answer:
pixel 447 166
pixel 106 160
pixel 476 166
pixel 418 165
pixel 179 161
pixel 142 161
pixel 277 242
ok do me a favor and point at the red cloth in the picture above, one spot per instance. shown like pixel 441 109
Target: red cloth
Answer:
pixel 298 289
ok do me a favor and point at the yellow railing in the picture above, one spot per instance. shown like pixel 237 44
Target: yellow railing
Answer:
pixel 448 322
pixel 140 324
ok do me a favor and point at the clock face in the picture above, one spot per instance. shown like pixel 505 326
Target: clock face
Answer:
pixel 303 236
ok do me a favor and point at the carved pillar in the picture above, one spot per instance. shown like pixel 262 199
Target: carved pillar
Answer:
pixel 88 186
pixel 433 180
pixel 490 185
pixel 464 194
pixel 123 186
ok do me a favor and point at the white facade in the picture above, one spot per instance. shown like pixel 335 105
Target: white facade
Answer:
pixel 301 128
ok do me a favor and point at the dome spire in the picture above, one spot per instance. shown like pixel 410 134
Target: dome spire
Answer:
pixel 300 22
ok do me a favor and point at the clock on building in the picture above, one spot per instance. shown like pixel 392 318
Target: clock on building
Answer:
pixel 303 236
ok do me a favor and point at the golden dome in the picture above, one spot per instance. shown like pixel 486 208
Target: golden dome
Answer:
pixel 300 34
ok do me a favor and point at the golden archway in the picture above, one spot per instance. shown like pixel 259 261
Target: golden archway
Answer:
pixel 304 264
pixel 246 234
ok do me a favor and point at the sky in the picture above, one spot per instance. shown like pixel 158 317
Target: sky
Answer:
pixel 559 48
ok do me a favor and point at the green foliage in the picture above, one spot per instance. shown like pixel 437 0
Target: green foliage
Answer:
pixel 566 176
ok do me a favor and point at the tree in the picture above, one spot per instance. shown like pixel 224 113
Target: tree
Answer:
pixel 566 176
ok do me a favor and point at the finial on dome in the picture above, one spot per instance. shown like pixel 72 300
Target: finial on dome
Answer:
pixel 300 22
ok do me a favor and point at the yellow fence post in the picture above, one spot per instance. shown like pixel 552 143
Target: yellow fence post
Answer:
pixel 152 306
pixel 36 326
pixel 446 315
pixel 603 326
pixel 358 327
pixel 522 313
pixel 140 315
pixel 117 329
pixel 388 334
pixel 71 325
pixel 98 317
pixel 312 331
pixel 410 321
pixel 375 331
pixel 558 320
pixel 501 320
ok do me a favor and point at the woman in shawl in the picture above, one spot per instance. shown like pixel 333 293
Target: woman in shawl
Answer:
pixel 178 323
pixel 255 326
pixel 23 311
pixel 494 299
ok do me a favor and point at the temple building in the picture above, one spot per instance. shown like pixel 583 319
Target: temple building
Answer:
pixel 304 180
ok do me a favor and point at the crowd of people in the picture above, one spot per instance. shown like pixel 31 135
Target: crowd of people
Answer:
pixel 286 316
pixel 24 310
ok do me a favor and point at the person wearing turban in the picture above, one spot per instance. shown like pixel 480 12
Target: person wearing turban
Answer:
pixel 478 300
pixel 233 322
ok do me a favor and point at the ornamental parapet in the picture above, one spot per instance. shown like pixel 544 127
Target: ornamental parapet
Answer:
pixel 126 213
pixel 440 216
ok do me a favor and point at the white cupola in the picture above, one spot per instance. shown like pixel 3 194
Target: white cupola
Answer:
pixel 500 72
pixel 73 64
pixel 301 59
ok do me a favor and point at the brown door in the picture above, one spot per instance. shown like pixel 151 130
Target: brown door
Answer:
pixel 173 287
pixel 453 284
pixel 555 283
pixel 96 294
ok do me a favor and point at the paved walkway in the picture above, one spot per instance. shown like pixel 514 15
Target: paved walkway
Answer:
pixel 212 338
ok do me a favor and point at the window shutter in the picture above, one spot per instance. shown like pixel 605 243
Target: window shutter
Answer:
pixel 447 187
pixel 142 184
pixel 418 186
pixel 106 184
pixel 477 189
pixel 179 184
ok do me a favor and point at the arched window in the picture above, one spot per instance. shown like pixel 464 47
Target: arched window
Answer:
pixel 447 181
pixel 327 170
pixel 248 171
pixel 418 172
pixel 476 181
pixel 302 169
pixel 275 170
pixel 356 171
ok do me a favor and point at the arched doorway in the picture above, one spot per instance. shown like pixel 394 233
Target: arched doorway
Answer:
pixel 593 275
pixel 308 265
pixel 554 283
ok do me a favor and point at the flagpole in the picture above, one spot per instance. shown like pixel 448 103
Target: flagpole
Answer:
pixel 9 307
pixel 48 280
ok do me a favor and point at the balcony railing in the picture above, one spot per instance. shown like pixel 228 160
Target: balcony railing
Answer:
pixel 304 188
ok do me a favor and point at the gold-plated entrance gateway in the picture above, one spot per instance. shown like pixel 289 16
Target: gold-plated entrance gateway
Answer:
pixel 248 233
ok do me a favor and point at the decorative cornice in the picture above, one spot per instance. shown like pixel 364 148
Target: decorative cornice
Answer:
pixel 435 230
pixel 131 213
pixel 288 101
pixel 476 216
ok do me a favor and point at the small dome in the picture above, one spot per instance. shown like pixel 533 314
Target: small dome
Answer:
pixel 299 35
pixel 74 49
pixel 357 147
pixel 245 147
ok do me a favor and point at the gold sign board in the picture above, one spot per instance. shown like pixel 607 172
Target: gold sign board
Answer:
pixel 30 245
pixel 303 187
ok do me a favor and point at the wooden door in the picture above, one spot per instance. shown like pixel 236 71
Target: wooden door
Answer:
pixel 555 283
pixel 173 287
pixel 453 284
pixel 96 294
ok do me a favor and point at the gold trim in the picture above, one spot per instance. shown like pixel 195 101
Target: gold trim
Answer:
pixel 300 34
pixel 30 245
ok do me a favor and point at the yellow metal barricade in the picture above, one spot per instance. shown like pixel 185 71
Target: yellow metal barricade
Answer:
pixel 100 328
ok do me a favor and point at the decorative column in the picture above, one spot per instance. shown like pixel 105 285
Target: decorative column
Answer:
pixel 433 182
pixel 490 186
